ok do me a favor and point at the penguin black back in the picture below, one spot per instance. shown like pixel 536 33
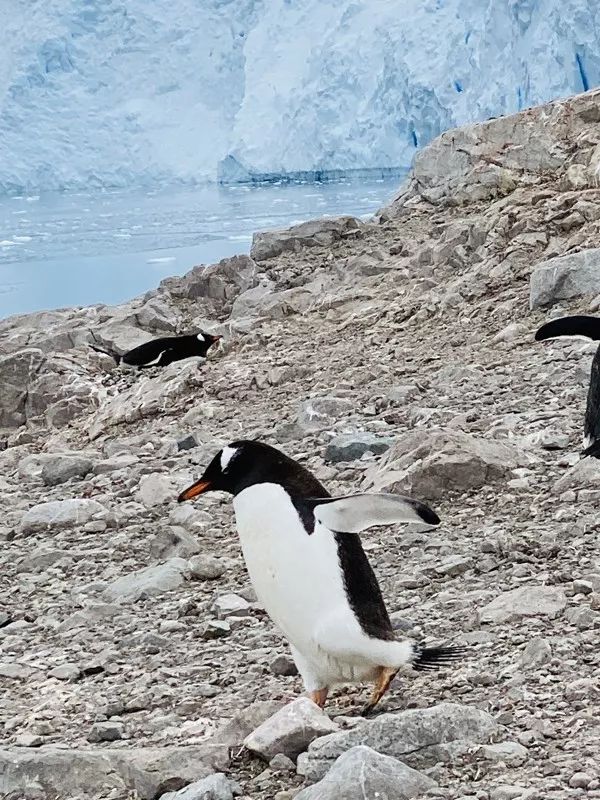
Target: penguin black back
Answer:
pixel 165 350
pixel 589 327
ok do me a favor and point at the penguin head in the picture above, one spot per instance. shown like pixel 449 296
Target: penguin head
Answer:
pixel 247 462
pixel 205 341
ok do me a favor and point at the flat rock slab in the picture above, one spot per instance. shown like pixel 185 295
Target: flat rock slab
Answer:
pixel 431 463
pixel 363 773
pixel 290 730
pixel 315 233
pixel 418 737
pixel 148 581
pixel 58 514
pixel 562 278
pixel 93 772
pixel 526 601
pixel 63 467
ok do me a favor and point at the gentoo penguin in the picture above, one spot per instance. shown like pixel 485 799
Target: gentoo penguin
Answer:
pixel 590 328
pixel 310 572
pixel 163 351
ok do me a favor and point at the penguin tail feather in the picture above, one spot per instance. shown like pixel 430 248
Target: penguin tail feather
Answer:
pixel 432 658
pixel 110 353
pixel 593 450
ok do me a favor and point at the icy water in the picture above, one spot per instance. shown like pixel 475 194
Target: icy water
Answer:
pixel 81 249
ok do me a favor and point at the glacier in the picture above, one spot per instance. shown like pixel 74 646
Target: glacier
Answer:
pixel 148 93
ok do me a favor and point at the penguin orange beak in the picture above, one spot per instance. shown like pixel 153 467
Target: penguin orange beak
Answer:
pixel 216 338
pixel 194 490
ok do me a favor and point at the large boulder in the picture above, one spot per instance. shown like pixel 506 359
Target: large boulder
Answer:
pixel 363 773
pixel 17 371
pixel 565 277
pixel 221 282
pixel 59 514
pixel 431 463
pixel 315 233
pixel 418 737
pixel 525 601
pixel 88 773
pixel 148 581
pixel 489 159
pixel 290 730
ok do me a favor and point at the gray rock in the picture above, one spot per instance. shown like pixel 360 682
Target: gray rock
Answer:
pixel 507 792
pixel 156 489
pixel 66 672
pixel 319 413
pixel 562 278
pixel 431 463
pixel 227 605
pixel 419 737
pixel 106 732
pixel 537 652
pixel 526 601
pixel 243 722
pixel 41 558
pixel 89 773
pixel 508 752
pixel 220 282
pixel 173 541
pixel 583 474
pixel 580 780
pixel 28 740
pixel 187 442
pixel 17 370
pixel 362 773
pixel 290 730
pixel 350 447
pixel 204 567
pixel 316 233
pixel 216 629
pixel 64 466
pixel 215 787
pixel 58 514
pixel 148 582
pixel 283 665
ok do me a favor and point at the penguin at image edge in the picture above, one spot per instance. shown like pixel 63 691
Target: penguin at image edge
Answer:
pixel 310 572
pixel 589 327
pixel 163 351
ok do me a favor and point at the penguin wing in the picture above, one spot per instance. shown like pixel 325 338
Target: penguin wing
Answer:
pixel 570 326
pixel 145 354
pixel 357 512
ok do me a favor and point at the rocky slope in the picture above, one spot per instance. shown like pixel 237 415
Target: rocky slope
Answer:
pixel 134 659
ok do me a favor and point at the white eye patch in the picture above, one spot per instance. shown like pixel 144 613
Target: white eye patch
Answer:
pixel 200 337
pixel 227 453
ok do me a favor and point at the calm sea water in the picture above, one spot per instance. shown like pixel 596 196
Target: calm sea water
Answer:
pixel 80 249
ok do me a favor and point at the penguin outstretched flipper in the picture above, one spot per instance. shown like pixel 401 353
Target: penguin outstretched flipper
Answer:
pixel 570 326
pixel 110 353
pixel 357 512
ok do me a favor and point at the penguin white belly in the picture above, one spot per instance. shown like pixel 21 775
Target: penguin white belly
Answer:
pixel 298 579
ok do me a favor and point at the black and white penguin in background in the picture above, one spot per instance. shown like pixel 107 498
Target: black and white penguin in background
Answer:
pixel 589 327
pixel 163 351
pixel 310 572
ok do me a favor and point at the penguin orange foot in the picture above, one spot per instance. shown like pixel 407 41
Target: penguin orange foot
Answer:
pixel 309 570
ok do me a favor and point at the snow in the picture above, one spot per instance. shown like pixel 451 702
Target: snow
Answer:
pixel 116 93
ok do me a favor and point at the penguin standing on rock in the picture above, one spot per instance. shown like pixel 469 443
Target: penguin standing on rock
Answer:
pixel 163 351
pixel 309 570
pixel 589 327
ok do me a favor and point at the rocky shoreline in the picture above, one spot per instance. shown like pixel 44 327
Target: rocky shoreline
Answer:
pixel 391 355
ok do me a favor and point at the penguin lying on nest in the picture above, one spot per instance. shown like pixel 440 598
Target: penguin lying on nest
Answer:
pixel 308 568
pixel 590 328
pixel 163 351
